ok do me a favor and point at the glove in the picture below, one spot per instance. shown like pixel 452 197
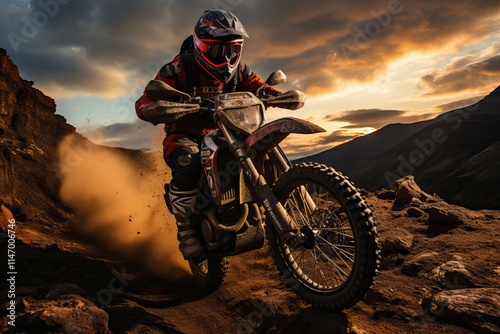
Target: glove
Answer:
pixel 166 112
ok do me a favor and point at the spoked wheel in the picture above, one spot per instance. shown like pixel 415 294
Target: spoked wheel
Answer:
pixel 210 273
pixel 336 270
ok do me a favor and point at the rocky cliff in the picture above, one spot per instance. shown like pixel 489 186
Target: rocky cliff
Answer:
pixel 29 134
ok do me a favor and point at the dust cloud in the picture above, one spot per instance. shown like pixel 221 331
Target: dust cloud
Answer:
pixel 118 195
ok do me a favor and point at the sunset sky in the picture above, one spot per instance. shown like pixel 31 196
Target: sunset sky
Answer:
pixel 363 63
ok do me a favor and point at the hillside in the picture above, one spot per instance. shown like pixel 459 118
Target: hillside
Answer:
pixel 358 149
pixel 455 155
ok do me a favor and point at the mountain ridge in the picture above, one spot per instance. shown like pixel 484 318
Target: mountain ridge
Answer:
pixel 443 154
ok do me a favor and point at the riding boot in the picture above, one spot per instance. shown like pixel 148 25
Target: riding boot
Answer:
pixel 187 223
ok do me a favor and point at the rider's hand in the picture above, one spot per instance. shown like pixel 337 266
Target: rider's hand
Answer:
pixel 162 111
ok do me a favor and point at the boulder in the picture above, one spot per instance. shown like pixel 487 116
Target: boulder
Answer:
pixel 444 213
pixel 416 203
pixel 420 261
pixel 407 190
pixel 476 307
pixel 414 212
pixel 386 194
pixel 397 240
pixel 68 313
pixel 454 275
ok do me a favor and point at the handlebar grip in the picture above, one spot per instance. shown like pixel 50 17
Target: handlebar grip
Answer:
pixel 292 99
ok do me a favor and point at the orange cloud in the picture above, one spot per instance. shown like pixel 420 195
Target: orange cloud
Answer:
pixel 465 74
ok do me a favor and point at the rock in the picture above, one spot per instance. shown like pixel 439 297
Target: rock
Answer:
pixel 454 275
pixel 363 192
pixel 5 217
pixel 386 194
pixel 416 203
pixel 407 190
pixel 68 313
pixel 414 212
pixel 30 133
pixel 397 240
pixel 52 248
pixel 477 307
pixel 65 289
pixel 442 212
pixel 415 265
pixel 22 305
pixel 355 330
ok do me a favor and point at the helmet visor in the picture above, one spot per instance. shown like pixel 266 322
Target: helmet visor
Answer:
pixel 220 52
pixel 223 51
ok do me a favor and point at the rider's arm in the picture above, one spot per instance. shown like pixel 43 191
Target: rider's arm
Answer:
pixel 251 82
pixel 167 74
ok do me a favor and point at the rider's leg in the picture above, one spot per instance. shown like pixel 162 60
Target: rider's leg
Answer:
pixel 186 168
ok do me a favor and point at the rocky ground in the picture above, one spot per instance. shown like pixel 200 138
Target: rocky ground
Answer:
pixel 440 274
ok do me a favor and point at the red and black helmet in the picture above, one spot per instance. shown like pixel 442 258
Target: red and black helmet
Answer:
pixel 218 41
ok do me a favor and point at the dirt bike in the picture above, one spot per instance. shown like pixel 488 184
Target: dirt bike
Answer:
pixel 320 231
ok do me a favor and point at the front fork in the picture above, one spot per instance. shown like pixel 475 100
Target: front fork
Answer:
pixel 277 213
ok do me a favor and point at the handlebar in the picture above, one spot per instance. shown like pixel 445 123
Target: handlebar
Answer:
pixel 292 99
pixel 206 109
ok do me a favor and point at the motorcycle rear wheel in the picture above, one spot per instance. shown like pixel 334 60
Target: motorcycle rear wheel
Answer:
pixel 210 273
pixel 337 271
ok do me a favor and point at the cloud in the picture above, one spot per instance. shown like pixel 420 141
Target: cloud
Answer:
pixel 361 118
pixel 325 45
pixel 375 118
pixel 88 47
pixel 339 136
pixel 471 73
pixel 458 104
pixel 299 145
pixel 104 48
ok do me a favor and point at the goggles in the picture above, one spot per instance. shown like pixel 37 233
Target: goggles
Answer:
pixel 219 52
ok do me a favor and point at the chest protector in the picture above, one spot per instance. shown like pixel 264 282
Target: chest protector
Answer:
pixel 192 84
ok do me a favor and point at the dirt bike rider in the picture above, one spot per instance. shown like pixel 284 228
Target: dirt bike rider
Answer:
pixel 213 67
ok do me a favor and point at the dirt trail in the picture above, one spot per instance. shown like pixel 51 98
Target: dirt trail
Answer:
pixel 252 299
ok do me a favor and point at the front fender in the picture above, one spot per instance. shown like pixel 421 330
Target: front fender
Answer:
pixel 273 133
pixel 269 136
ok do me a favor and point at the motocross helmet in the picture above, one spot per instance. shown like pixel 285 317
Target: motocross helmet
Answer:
pixel 218 41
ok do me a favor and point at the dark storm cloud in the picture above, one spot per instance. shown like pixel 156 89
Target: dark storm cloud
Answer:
pixel 319 44
pixel 91 46
pixel 462 75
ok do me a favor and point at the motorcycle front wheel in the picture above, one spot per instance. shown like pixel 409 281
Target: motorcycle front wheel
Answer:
pixel 335 271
